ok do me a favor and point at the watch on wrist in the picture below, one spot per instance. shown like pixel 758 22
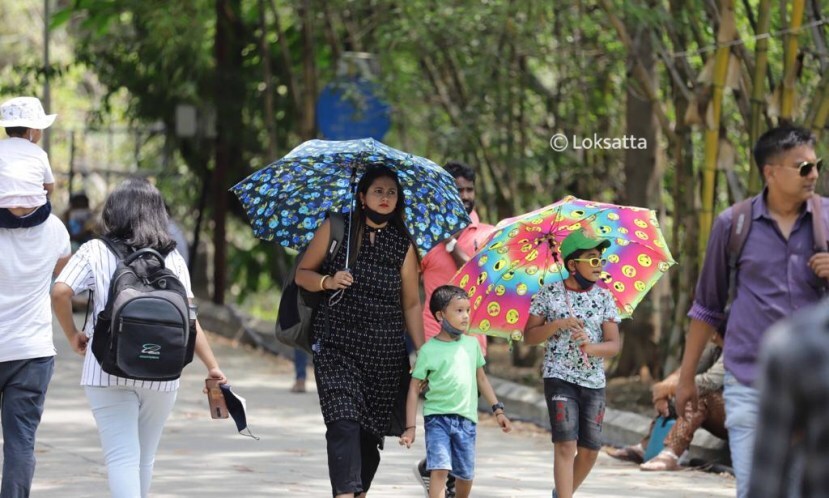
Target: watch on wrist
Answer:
pixel 497 406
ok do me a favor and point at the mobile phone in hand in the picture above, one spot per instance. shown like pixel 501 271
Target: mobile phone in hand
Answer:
pixel 215 398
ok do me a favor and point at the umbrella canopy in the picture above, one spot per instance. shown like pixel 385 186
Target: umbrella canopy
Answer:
pixel 522 255
pixel 288 200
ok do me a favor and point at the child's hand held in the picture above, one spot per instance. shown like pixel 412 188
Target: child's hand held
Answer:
pixel 408 437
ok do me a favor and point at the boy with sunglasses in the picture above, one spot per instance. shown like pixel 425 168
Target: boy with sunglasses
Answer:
pixel 778 272
pixel 578 320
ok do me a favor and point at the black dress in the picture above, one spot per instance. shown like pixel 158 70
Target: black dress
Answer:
pixel 361 359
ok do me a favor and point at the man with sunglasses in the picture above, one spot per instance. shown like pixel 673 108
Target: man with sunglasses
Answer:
pixel 779 272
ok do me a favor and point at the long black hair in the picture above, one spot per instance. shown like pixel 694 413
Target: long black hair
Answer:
pixel 134 214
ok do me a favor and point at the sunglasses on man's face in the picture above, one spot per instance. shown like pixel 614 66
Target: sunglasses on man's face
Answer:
pixel 594 262
pixel 805 167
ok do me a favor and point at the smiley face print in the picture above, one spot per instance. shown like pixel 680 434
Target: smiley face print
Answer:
pixel 493 309
pixel 644 260
pixel 513 316
pixel 628 271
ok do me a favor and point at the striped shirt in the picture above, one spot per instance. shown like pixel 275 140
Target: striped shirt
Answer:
pixel 91 269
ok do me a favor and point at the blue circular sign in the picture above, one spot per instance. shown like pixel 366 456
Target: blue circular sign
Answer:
pixel 349 108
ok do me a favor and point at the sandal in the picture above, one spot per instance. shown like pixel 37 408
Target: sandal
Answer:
pixel 664 461
pixel 633 454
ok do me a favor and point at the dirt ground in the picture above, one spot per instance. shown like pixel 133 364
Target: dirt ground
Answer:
pixel 623 393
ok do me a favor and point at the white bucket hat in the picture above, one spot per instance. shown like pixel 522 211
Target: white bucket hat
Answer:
pixel 26 112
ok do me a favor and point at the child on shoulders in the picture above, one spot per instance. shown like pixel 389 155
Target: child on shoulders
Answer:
pixel 25 174
pixel 452 364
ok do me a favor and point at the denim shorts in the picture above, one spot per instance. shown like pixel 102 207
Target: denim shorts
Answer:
pixel 450 445
pixel 576 412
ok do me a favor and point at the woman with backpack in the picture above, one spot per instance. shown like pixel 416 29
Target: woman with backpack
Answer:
pixel 360 359
pixel 130 414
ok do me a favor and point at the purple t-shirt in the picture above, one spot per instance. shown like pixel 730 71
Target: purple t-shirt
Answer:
pixel 773 280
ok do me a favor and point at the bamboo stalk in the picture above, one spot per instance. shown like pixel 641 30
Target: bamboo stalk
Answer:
pixel 761 50
pixel 790 61
pixel 821 107
pixel 725 34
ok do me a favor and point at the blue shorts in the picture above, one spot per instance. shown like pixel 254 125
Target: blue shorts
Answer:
pixel 450 445
pixel 576 412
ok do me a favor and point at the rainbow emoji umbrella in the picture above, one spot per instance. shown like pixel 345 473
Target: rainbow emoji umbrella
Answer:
pixel 521 256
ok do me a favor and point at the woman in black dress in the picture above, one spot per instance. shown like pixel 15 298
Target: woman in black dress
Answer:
pixel 360 354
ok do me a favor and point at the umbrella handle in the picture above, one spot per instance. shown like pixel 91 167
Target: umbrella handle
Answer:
pixel 570 311
pixel 353 219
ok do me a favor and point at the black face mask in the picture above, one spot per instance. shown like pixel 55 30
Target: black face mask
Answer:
pixel 453 332
pixel 377 218
pixel 584 283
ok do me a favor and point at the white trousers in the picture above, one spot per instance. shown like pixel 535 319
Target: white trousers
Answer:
pixel 130 421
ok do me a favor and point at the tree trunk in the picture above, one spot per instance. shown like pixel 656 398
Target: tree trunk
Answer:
pixel 229 92
pixel 267 78
pixel 641 189
pixel 308 125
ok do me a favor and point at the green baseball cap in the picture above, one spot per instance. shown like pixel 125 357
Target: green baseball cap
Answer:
pixel 579 240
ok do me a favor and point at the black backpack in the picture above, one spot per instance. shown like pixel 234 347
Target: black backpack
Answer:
pixel 297 306
pixel 145 331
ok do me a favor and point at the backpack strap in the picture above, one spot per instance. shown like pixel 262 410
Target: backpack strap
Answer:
pixel 740 226
pixel 818 230
pixel 118 249
pixel 337 237
pixel 337 226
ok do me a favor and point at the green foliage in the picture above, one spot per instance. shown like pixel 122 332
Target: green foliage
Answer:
pixel 484 81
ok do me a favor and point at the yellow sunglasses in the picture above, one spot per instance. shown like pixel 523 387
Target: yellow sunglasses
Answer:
pixel 594 262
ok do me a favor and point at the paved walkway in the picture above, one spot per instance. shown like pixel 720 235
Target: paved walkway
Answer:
pixel 200 457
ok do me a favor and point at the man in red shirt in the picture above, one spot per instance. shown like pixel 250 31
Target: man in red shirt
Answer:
pixel 442 262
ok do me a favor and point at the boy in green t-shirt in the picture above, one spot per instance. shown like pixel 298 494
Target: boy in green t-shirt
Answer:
pixel 452 364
